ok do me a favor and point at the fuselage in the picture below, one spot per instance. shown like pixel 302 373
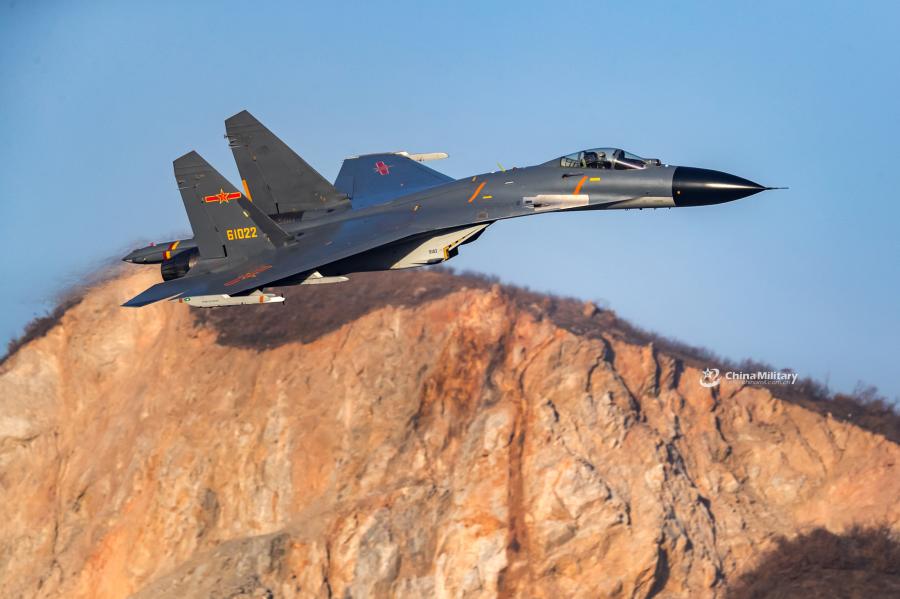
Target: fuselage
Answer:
pixel 489 197
pixel 426 226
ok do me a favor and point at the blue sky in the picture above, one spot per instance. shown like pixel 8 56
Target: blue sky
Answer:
pixel 98 98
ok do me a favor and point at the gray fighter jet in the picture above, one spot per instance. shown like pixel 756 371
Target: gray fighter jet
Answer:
pixel 289 226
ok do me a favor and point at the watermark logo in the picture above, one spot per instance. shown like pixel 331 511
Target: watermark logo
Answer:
pixel 711 377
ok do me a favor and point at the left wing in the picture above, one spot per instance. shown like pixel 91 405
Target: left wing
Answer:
pixel 315 248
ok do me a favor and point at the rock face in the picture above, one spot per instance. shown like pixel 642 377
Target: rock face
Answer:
pixel 458 447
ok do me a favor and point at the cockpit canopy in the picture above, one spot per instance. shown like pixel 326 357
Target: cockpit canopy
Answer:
pixel 606 158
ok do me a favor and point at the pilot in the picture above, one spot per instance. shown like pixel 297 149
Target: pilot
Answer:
pixel 604 163
pixel 596 160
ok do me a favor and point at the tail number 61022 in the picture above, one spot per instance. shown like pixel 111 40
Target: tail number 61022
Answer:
pixel 242 233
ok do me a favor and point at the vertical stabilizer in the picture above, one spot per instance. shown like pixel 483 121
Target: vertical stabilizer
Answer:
pixel 225 224
pixel 275 178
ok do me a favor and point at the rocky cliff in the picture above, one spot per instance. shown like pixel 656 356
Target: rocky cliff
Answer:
pixel 411 435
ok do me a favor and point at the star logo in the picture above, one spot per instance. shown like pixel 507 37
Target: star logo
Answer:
pixel 222 197
pixel 248 275
pixel 709 377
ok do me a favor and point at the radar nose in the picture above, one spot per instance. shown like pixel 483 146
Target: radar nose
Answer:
pixel 700 187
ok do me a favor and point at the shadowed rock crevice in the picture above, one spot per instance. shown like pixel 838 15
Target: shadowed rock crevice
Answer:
pixel 660 575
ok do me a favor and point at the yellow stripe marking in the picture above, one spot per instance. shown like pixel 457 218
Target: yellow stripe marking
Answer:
pixel 594 179
pixel 246 190
pixel 168 253
pixel 486 197
pixel 580 183
pixel 477 191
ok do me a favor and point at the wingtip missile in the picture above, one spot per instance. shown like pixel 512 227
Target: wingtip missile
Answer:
pixel 423 156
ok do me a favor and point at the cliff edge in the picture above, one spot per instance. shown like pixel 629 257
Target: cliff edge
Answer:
pixel 412 435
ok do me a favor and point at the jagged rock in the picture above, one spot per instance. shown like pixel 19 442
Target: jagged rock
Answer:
pixel 458 445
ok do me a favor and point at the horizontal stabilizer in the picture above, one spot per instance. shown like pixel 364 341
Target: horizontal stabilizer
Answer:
pixel 161 291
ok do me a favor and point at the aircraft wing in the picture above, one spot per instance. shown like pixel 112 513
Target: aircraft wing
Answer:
pixel 315 248
pixel 378 178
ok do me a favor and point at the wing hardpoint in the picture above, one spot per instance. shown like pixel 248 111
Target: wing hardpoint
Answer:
pixel 377 178
pixel 274 176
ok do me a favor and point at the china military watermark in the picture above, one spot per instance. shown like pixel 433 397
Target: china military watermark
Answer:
pixel 711 377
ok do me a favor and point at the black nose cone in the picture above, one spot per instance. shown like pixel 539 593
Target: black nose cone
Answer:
pixel 700 187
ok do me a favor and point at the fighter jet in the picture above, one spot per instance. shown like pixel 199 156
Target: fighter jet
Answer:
pixel 288 225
